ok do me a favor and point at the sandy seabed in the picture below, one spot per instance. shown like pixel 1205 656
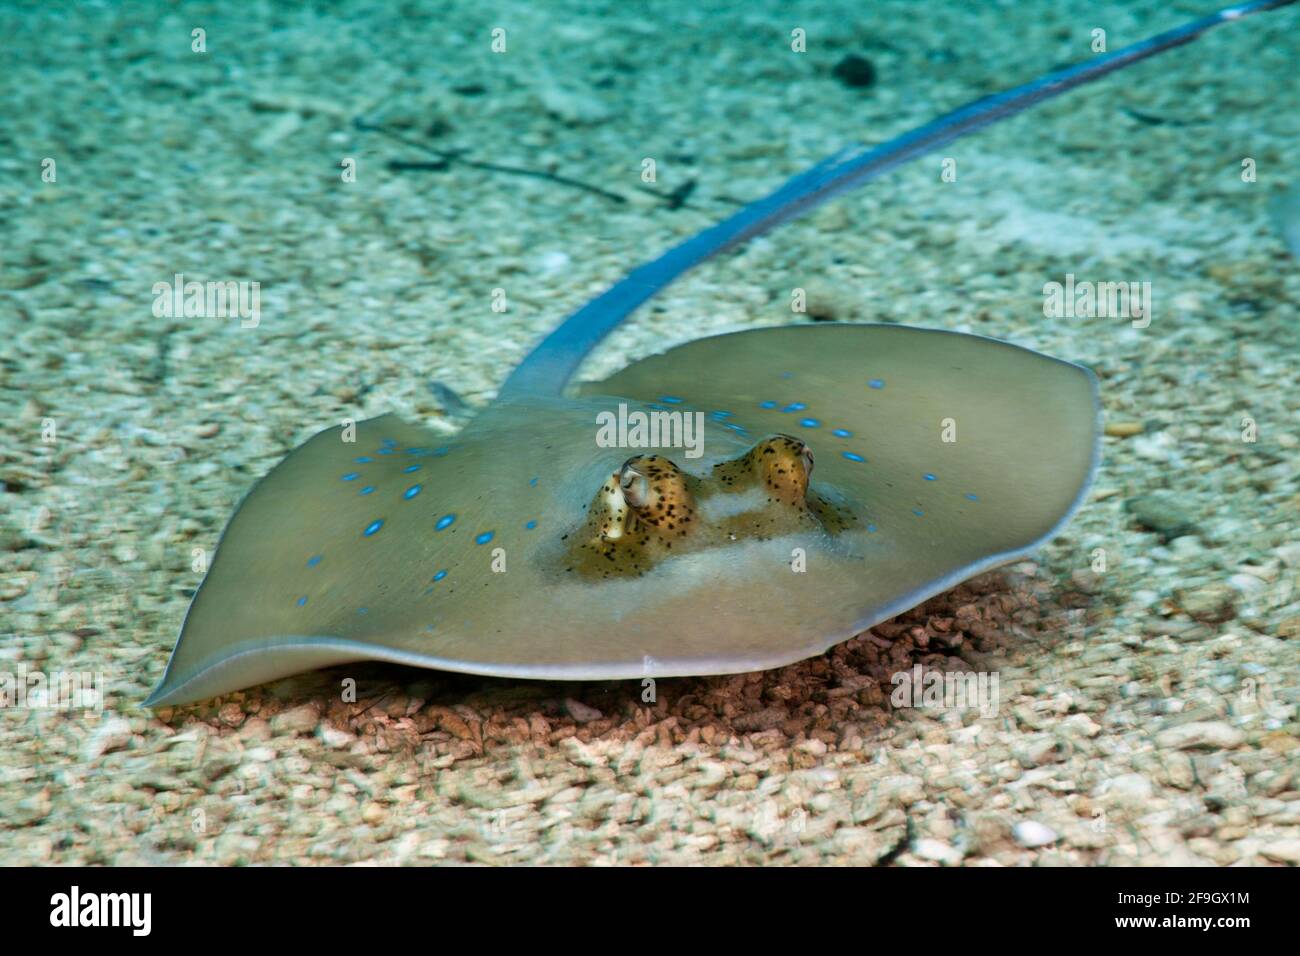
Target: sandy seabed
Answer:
pixel 1147 713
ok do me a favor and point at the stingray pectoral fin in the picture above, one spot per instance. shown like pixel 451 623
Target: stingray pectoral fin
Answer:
pixel 308 547
pixel 253 662
pixel 957 451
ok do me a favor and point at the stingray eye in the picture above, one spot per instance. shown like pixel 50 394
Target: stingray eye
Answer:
pixel 798 448
pixel 635 486
pixel 782 464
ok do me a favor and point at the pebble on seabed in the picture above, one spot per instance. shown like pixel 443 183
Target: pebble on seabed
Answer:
pixel 1031 834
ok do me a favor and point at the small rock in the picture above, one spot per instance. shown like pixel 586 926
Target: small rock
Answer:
pixel 25 813
pixel 218 764
pixel 1127 788
pixel 812 746
pixel 113 734
pixel 574 107
pixel 1290 554
pixel 434 849
pixel 1159 447
pixel 1247 584
pixel 278 102
pixel 302 719
pixel 902 789
pixel 157 779
pixel 333 737
pixel 14 539
pixel 1162 512
pixel 255 729
pixel 237 847
pixel 1123 429
pixel 1080 724
pixel 1038 750
pixel 581 712
pixel 1031 834
pixel 1201 735
pixel 1282 851
pixel 1212 603
pixel 1086 580
pixel 284 125
pixel 937 851
pixel 554 262
pixel 855 71
pixel 231 714
pixel 373 813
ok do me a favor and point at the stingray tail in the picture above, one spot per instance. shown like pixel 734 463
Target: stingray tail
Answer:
pixel 550 366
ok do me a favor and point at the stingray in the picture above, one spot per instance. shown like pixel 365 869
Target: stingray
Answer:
pixel 739 502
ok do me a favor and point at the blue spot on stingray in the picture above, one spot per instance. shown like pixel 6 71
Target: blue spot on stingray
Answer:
pixel 972 497
pixel 670 399
pixel 719 415
pixel 364 459
pixel 877 383
pixel 531 525
pixel 842 433
pixel 768 404
pixel 384 451
pixel 787 374
pixel 410 468
pixel 484 538
pixel 366 490
pixel 444 522
pixel 918 512
pixel 373 527
pixel 809 422
pixel 417 451
pixel 532 482
pixel 929 477
pixel 440 575
pixel 439 452
pixel 352 476
pixel 302 600
pixel 363 610
pixel 853 456
pixel 733 426
pixel 388 441
pixel 871 528
pixel 411 492
pixel 313 561
pixel 794 407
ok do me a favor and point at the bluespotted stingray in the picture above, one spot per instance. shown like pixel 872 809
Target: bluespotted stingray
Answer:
pixel 845 474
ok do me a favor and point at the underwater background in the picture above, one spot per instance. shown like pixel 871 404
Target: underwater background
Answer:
pixel 1148 709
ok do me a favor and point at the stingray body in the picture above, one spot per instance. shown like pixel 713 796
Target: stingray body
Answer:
pixel 479 554
pixel 837 476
